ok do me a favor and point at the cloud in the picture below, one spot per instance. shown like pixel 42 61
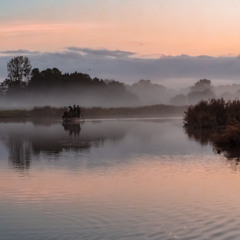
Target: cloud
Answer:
pixel 174 71
pixel 18 52
pixel 101 52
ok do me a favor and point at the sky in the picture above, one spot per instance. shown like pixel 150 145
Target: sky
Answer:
pixel 170 42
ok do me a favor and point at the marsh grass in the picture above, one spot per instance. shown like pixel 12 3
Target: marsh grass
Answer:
pixel 95 112
pixel 229 137
pixel 146 111
pixel 36 112
pixel 222 118
pixel 212 113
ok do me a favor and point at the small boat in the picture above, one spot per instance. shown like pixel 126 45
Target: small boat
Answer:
pixel 71 120
pixel 72 116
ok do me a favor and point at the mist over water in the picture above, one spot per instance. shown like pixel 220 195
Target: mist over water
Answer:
pixel 51 87
pixel 88 92
pixel 119 120
pixel 114 179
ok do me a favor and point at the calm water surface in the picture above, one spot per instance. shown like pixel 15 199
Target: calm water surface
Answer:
pixel 138 179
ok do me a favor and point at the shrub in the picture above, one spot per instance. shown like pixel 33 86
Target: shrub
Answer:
pixel 212 113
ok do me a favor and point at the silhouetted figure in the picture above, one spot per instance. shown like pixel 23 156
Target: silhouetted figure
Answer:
pixel 70 111
pixel 65 114
pixel 74 111
pixel 78 111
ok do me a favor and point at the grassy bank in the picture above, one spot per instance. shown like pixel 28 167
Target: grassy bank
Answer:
pixel 222 119
pixel 213 113
pixel 96 112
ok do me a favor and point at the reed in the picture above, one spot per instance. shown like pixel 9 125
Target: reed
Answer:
pixel 222 118
pixel 212 113
pixel 228 137
pixel 96 112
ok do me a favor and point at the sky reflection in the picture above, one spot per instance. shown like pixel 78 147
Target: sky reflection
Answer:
pixel 134 180
pixel 95 144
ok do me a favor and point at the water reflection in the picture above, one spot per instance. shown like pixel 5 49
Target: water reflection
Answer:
pixel 229 152
pixel 25 141
pixel 73 129
pixel 114 180
pixel 202 136
pixel 205 137
pixel 20 150
pixel 94 143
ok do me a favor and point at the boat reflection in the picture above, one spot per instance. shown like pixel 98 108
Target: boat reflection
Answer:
pixel 96 143
pixel 27 141
pixel 73 129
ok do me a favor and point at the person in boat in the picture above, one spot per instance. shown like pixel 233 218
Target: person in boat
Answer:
pixel 70 112
pixel 74 111
pixel 78 111
pixel 65 114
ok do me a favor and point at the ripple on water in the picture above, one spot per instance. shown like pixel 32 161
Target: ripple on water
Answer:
pixel 154 200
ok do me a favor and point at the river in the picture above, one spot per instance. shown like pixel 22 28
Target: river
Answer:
pixel 114 179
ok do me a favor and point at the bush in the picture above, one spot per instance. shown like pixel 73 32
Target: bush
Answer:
pixel 212 113
pixel 222 119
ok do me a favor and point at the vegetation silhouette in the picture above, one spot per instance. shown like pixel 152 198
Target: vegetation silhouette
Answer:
pixel 212 113
pixel 48 113
pixel 203 136
pixel 202 90
pixel 34 87
pixel 19 73
pixel 27 87
pixel 227 141
pixel 221 121
pixel 57 88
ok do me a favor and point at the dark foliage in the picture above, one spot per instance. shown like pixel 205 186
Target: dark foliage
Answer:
pixel 212 113
pixel 221 120
pixel 52 87
pixel 95 112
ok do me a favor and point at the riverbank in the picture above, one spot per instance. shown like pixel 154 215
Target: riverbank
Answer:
pixel 221 120
pixel 95 112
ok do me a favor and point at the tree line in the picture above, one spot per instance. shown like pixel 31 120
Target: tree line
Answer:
pixel 26 83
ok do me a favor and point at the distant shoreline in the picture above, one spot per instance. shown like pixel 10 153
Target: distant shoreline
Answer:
pixel 48 112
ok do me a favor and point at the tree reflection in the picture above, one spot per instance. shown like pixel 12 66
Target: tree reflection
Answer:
pixel 211 136
pixel 20 152
pixel 228 152
pixel 202 136
pixel 26 141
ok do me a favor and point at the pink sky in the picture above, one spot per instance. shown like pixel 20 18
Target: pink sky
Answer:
pixel 153 37
pixel 149 28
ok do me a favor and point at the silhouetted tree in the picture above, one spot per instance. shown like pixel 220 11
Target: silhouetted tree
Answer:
pixel 148 92
pixel 179 99
pixel 2 89
pixel 196 96
pixel 201 85
pixel 19 70
pixel 202 90
pixel 19 73
pixel 51 86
